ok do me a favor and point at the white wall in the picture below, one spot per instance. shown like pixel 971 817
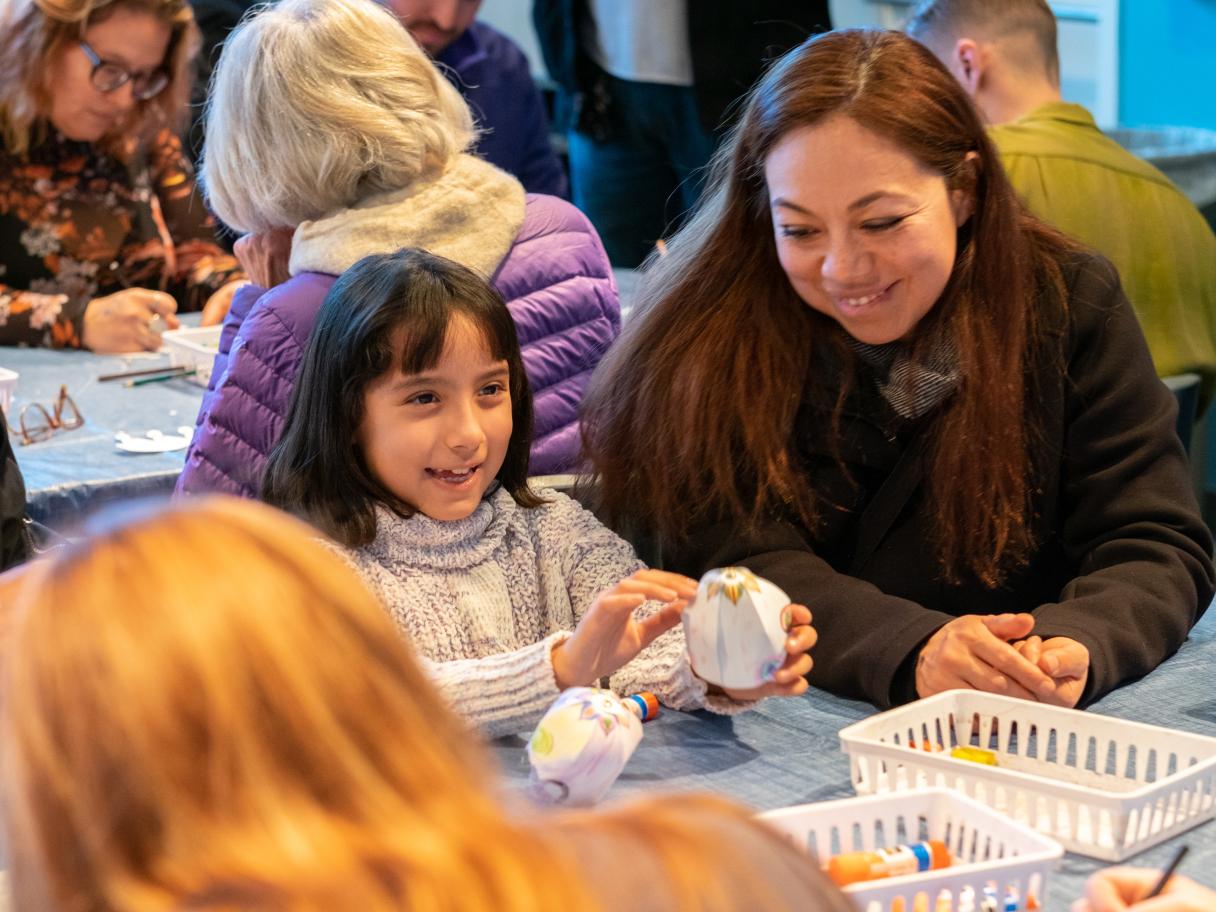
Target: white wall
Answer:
pixel 514 17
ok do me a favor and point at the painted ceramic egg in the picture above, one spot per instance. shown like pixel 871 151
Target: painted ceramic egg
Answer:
pixel 736 628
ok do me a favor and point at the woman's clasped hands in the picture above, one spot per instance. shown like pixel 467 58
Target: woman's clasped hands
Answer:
pixel 609 635
pixel 998 654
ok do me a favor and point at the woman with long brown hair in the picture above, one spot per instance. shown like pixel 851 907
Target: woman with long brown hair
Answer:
pixel 103 237
pixel 181 731
pixel 867 373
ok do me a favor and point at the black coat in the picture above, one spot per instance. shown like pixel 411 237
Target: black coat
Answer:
pixel 1123 564
pixel 14 547
pixel 731 41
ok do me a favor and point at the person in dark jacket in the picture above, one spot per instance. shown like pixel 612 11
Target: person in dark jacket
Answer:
pixel 875 379
pixel 494 76
pixel 13 545
pixel 647 91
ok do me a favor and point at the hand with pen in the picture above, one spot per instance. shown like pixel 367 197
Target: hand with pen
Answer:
pixel 1129 889
pixel 128 320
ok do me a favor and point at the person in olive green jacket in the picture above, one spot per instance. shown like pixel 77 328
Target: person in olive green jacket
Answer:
pixel 1074 176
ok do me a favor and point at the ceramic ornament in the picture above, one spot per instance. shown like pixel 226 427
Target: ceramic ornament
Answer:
pixel 580 747
pixel 736 628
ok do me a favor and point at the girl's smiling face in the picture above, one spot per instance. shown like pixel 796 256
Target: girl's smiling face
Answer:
pixel 437 439
pixel 866 234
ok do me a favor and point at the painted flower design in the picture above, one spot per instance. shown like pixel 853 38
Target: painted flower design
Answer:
pixel 732 582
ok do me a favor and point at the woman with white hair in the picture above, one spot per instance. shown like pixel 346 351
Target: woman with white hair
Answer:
pixel 327 120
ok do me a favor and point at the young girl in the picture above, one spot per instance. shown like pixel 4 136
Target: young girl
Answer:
pixel 407 442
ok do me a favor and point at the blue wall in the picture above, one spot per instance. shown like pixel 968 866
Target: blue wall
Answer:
pixel 1167 62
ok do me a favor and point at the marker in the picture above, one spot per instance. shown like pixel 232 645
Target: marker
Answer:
pixel 182 372
pixel 123 375
pixel 1168 872
pixel 975 755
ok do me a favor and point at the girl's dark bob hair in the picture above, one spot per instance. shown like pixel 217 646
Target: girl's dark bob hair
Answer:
pixel 387 312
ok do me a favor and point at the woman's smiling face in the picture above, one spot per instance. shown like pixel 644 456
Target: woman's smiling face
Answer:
pixel 865 233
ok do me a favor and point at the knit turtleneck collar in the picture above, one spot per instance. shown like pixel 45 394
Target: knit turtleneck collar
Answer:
pixel 424 544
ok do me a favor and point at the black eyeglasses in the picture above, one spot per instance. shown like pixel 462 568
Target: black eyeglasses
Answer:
pixel 108 76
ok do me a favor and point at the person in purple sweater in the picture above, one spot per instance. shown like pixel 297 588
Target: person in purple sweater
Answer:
pixel 493 75
pixel 328 125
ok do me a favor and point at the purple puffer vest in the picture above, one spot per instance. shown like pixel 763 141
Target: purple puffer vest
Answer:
pixel 559 288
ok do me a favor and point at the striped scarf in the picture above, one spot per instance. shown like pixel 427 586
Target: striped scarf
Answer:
pixel 911 388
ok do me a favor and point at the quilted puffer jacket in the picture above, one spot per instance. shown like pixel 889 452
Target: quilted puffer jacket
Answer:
pixel 558 285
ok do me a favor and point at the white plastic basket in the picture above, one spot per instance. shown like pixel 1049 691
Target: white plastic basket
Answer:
pixel 1101 786
pixel 987 848
pixel 193 347
pixel 8 383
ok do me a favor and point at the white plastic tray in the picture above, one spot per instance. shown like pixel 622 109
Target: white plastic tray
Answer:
pixel 1101 786
pixel 8 383
pixel 988 848
pixel 193 347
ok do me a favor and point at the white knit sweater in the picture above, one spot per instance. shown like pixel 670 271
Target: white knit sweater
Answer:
pixel 485 599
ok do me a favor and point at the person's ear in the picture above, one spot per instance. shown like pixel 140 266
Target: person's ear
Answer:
pixel 962 198
pixel 968 61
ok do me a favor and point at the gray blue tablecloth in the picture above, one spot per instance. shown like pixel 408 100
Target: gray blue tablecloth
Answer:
pixel 786 752
pixel 75 472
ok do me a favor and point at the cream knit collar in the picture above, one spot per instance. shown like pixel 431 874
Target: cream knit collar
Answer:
pixel 422 543
pixel 471 214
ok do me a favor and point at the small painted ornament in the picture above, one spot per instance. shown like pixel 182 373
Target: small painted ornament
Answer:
pixel 736 629
pixel 580 747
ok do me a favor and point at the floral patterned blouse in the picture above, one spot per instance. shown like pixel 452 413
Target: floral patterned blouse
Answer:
pixel 76 224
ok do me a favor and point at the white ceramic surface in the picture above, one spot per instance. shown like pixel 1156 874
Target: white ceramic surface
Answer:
pixel 736 628
pixel 580 747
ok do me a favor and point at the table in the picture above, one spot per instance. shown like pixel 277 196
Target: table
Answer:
pixel 80 470
pixel 786 752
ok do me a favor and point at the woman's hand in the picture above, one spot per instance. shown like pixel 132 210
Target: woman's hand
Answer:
pixel 790 679
pixel 265 256
pixel 972 652
pixel 1064 660
pixel 217 305
pixel 128 321
pixel 609 636
pixel 1120 889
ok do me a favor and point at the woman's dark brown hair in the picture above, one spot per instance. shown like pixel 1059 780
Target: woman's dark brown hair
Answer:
pixel 689 417
pixel 388 312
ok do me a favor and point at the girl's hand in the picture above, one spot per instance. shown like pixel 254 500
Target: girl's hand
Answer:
pixel 1120 889
pixel 1064 660
pixel 790 679
pixel 609 636
pixel 971 652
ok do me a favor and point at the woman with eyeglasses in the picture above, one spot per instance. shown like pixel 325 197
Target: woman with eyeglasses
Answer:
pixel 102 235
